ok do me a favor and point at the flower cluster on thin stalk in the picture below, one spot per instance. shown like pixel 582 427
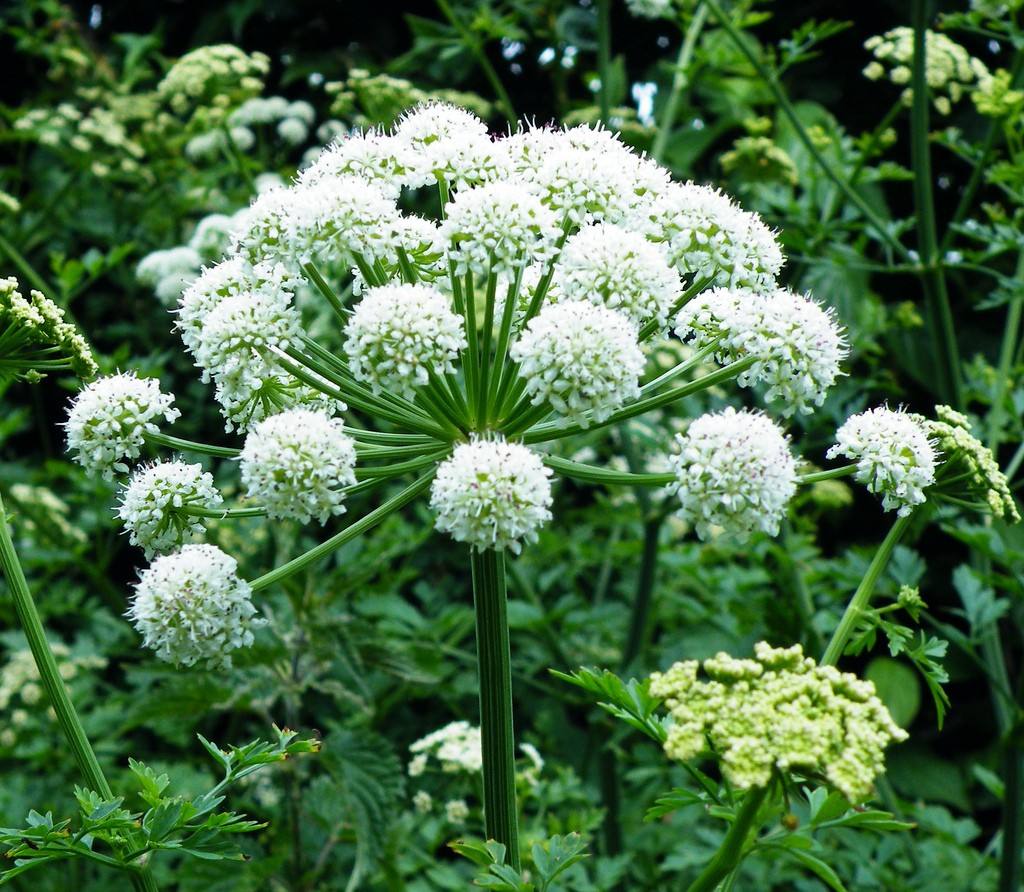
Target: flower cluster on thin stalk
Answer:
pixel 460 348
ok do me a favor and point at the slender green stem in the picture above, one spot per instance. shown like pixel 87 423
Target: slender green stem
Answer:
pixel 387 438
pixel 366 522
pixel 831 474
pixel 26 268
pixel 53 684
pixel 680 369
pixel 401 467
pixel 604 57
pixel 483 407
pixel 680 81
pixel 235 156
pixel 933 277
pixel 473 44
pixel 553 431
pixel 221 513
pixel 1007 349
pixel 643 597
pixel 862 597
pixel 732 849
pixel 772 82
pixel 162 439
pixel 501 816
pixel 591 474
pixel 321 284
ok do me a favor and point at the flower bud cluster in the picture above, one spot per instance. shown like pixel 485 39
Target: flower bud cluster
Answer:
pixel 779 712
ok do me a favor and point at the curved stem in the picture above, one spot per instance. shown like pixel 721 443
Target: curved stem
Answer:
pixel 490 600
pixel 862 597
pixel 933 278
pixel 831 474
pixel 53 684
pixel 366 522
pixel 162 439
pixel 732 848
pixel 680 81
pixel 591 474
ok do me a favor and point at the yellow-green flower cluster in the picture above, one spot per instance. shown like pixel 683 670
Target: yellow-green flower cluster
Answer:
pixel 949 69
pixel 757 159
pixel 35 339
pixel 966 455
pixel 777 712
pixel 996 98
pixel 8 203
pixel 218 75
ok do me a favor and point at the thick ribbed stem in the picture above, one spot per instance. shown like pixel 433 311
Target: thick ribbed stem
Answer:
pixel 862 597
pixel 49 674
pixel 731 850
pixel 501 817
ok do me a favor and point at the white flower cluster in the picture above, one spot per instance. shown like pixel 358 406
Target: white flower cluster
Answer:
pixel 734 473
pixel 191 607
pixel 580 358
pixel 708 237
pixel 650 9
pixel 297 464
pixel 154 504
pixel 492 494
pixel 796 345
pixel 213 74
pixel 110 418
pixel 398 334
pixel 456 747
pixel 894 455
pixel 949 69
pixel 778 712
pixel 169 272
pixel 620 269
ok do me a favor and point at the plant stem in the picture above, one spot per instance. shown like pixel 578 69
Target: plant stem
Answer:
pixel 680 81
pixel 862 597
pixel 49 674
pixel 772 82
pixel 640 614
pixel 161 439
pixel 591 474
pixel 731 850
pixel 501 817
pixel 473 43
pixel 830 474
pixel 604 54
pixel 932 277
pixel 366 522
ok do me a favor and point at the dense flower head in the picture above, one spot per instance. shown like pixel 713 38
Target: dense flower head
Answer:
pixel 154 504
pixel 895 455
pixel 297 464
pixel 708 237
pixel 581 186
pixel 191 607
pixel 378 158
pixel 492 494
pixel 966 454
pixel 609 265
pixel 796 345
pixel 110 418
pixel 229 278
pixel 498 227
pixel 397 334
pixel 34 331
pixel 456 747
pixel 734 472
pixel 582 359
pixel 451 145
pixel 211 71
pixel 778 712
pixel 950 70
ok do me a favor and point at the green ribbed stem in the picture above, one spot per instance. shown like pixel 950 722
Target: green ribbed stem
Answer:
pixel 862 597
pixel 49 674
pixel 731 851
pixel 501 817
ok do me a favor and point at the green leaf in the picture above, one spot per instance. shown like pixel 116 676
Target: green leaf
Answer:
pixel 629 701
pixel 556 855
pixel 897 687
pixel 673 801
pixel 814 864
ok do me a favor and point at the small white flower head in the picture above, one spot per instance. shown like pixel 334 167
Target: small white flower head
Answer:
pixel 456 811
pixel 492 494
pixel 498 227
pixel 895 457
pixel 384 161
pixel 169 271
pixel 434 122
pixel 650 9
pixel 456 746
pixel 582 359
pixel 609 265
pixel 191 607
pixel 152 502
pixel 266 230
pixel 707 236
pixel 211 238
pixel 297 464
pixel 796 344
pixel 241 328
pixel 344 217
pixel 226 279
pixel 292 131
pixel 583 186
pixel 109 420
pixel 397 334
pixel 734 472
pixel 451 144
